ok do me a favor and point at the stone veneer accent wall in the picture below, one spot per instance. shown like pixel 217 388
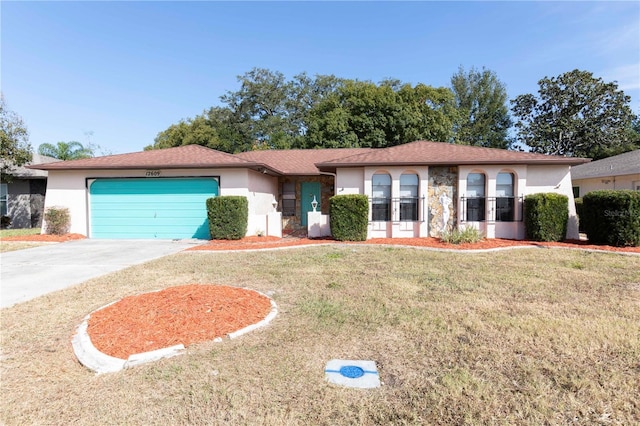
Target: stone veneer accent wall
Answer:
pixel 443 186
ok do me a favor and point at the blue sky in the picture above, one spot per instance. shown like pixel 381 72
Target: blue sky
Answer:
pixel 117 73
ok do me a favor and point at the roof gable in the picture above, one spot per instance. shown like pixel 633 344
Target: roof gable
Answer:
pixel 298 161
pixel 187 156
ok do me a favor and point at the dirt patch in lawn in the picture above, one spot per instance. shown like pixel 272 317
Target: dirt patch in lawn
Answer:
pixel 185 314
pixel 45 238
pixel 254 243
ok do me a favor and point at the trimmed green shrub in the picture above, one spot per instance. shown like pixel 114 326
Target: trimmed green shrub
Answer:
pixel 349 217
pixel 228 217
pixel 58 220
pixel 546 216
pixel 466 235
pixel 579 211
pixel 612 217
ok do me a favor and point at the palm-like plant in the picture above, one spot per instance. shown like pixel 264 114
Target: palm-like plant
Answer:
pixel 65 150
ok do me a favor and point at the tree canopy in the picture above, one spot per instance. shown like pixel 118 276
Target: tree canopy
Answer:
pixel 575 114
pixel 481 100
pixel 66 150
pixel 363 114
pixel 271 112
pixel 15 149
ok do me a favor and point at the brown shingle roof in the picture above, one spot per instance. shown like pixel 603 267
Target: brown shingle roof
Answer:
pixel 310 161
pixel 299 161
pixel 440 153
pixel 187 156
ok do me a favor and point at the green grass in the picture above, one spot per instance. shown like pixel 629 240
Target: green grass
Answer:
pixel 6 246
pixel 19 232
pixel 535 336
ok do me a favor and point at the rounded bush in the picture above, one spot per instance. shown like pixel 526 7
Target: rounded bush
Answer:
pixel 612 217
pixel 228 217
pixel 349 217
pixel 546 216
pixel 58 220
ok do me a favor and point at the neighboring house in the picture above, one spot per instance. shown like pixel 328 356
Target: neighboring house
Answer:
pixel 417 189
pixel 617 172
pixel 22 199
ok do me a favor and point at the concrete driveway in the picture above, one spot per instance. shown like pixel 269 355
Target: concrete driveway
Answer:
pixel 27 274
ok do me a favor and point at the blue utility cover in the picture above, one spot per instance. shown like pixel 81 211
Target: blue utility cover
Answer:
pixel 166 208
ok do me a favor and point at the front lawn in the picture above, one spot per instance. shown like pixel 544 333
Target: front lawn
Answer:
pixel 530 336
pixel 6 246
pixel 18 232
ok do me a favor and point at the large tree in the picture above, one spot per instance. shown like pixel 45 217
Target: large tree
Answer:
pixel 271 112
pixel 211 129
pixel 267 112
pixel 65 150
pixel 15 149
pixel 364 114
pixel 481 99
pixel 574 114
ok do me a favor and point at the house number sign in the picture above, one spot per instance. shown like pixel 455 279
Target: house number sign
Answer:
pixel 152 173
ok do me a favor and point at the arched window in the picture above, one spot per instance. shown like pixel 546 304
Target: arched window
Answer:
pixel 409 197
pixel 381 197
pixel 476 197
pixel 505 211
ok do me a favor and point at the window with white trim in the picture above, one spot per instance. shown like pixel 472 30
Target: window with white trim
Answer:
pixel 476 199
pixel 576 191
pixel 381 198
pixel 409 198
pixel 505 200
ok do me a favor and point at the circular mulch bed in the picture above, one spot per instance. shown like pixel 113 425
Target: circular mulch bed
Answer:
pixel 184 314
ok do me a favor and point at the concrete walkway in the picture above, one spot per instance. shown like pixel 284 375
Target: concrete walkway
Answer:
pixel 27 274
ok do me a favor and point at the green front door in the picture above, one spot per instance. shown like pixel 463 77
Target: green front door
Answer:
pixel 308 190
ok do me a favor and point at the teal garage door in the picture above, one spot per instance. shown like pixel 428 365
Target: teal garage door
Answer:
pixel 151 208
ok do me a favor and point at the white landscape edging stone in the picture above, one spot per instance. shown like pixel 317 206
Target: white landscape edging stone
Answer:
pixel 93 359
pixel 89 356
pixel 272 314
pixel 158 354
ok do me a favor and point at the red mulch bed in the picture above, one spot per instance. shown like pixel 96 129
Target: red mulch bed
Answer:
pixel 255 242
pixel 45 238
pixel 184 314
pixel 248 243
